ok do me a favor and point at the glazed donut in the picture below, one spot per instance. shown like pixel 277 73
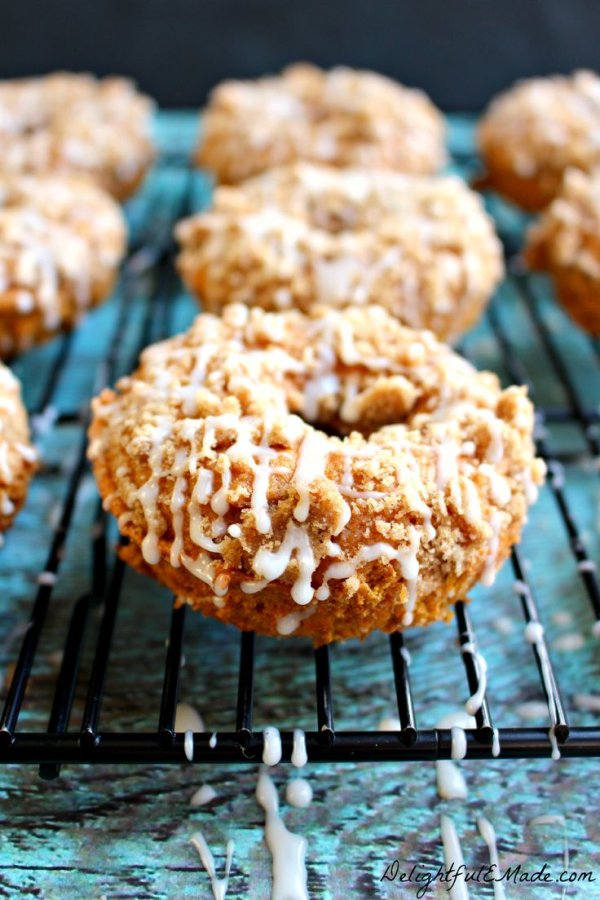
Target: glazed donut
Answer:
pixel 61 241
pixel 325 474
pixel 76 123
pixel 532 133
pixel 565 242
pixel 422 247
pixel 340 117
pixel 18 459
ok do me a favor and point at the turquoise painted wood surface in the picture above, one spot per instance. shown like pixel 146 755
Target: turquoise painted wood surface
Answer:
pixel 121 832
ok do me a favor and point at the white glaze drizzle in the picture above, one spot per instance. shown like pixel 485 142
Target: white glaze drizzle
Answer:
pixel 287 625
pixel 147 494
pixel 453 855
pixel 271 564
pixel 299 754
pixel 495 742
pixel 188 746
pixel 219 885
pixel 310 465
pixel 287 850
pixel 488 576
pixel 405 556
pixel 534 634
pixel 475 700
pixel 451 784
pixel 271 746
pixel 487 832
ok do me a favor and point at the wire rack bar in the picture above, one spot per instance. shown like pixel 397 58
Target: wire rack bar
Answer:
pixel 404 699
pixel 324 697
pixel 245 697
pixel 91 715
pixel 16 691
pixel 472 663
pixel 349 746
pixel 168 703
pixel 548 679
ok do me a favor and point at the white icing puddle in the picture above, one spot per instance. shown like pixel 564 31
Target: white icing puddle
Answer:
pixel 532 709
pixel 187 718
pixel 389 723
pixel 299 792
pixel 587 702
pixel 287 850
pixel 205 794
pixel 219 885
pixel 566 643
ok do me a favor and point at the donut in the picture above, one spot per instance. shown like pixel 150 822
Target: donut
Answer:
pixel 61 241
pixel 532 133
pixel 340 117
pixel 68 122
pixel 18 459
pixel 323 474
pixel 421 246
pixel 565 242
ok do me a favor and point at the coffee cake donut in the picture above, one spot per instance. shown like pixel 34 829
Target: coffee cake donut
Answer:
pixel 565 242
pixel 325 474
pixel 300 235
pixel 532 133
pixel 61 241
pixel 76 123
pixel 17 456
pixel 341 117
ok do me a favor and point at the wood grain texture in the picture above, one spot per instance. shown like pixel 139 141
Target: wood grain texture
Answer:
pixel 123 832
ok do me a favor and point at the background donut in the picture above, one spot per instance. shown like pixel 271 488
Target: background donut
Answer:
pixel 342 117
pixel 300 235
pixel 76 123
pixel 61 241
pixel 532 133
pixel 18 459
pixel 566 243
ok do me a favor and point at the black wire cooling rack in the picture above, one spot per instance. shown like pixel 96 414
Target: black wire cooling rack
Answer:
pixel 149 269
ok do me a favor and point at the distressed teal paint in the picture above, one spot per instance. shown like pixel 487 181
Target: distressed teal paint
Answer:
pixel 123 832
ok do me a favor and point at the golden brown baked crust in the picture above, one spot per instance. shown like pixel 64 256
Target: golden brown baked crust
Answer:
pixel 262 519
pixel 18 459
pixel 565 242
pixel 301 235
pixel 76 123
pixel 532 133
pixel 341 118
pixel 61 241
